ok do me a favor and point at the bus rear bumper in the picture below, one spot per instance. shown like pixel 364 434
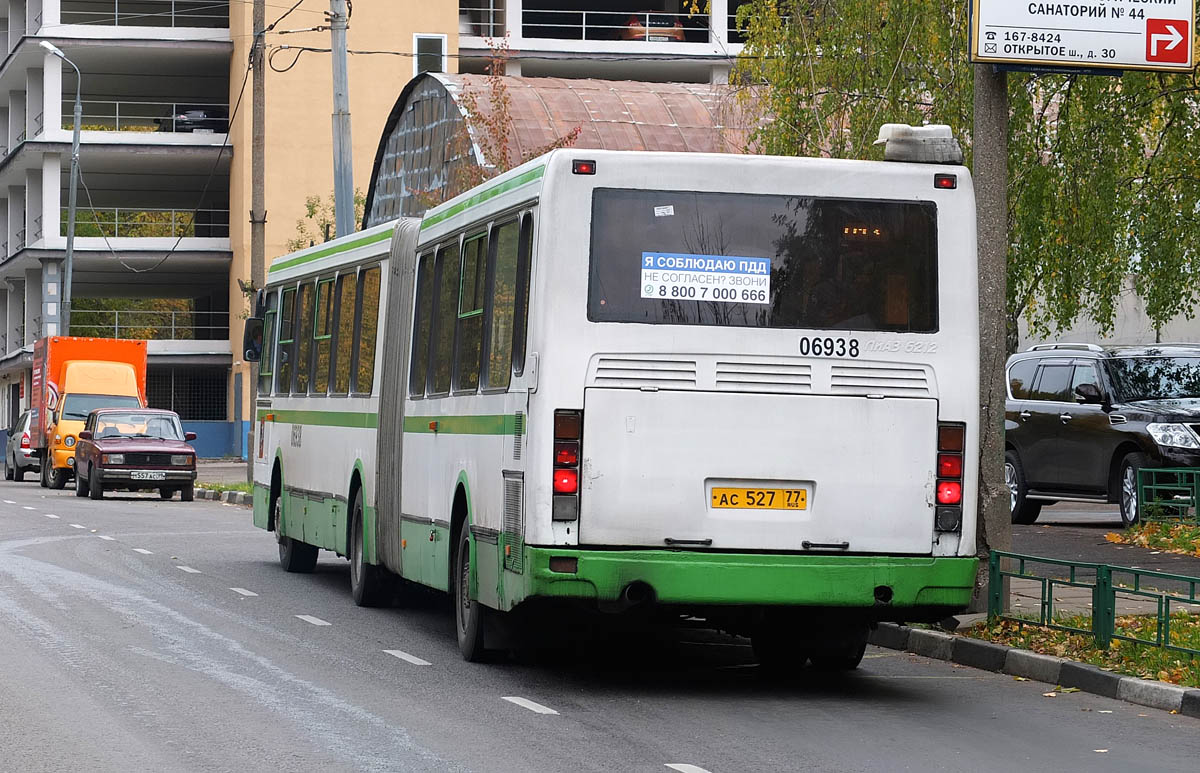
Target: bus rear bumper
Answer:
pixel 887 584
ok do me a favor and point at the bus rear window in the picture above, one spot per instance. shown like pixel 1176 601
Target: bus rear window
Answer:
pixel 749 260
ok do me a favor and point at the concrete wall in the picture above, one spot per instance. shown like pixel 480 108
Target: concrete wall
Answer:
pixel 1132 326
pixel 299 109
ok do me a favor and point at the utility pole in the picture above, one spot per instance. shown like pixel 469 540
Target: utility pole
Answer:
pixel 258 198
pixel 343 161
pixel 990 147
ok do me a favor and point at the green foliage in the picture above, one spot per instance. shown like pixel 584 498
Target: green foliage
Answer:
pixel 144 319
pixel 320 219
pixel 1104 177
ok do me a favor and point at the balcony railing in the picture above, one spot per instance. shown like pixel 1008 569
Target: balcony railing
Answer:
pixel 145 325
pixel 129 222
pixel 614 25
pixel 148 13
pixel 484 18
pixel 139 116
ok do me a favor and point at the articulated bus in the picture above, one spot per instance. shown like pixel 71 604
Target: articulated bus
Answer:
pixel 739 388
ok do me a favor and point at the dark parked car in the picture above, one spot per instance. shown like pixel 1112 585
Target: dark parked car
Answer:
pixel 19 457
pixel 134 450
pixel 1081 420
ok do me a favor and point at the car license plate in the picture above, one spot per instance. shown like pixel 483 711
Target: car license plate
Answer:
pixel 760 498
pixel 147 475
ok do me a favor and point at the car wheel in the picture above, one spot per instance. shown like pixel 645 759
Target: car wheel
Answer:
pixel 95 487
pixel 1130 510
pixel 370 585
pixel 468 613
pixel 81 485
pixel 187 493
pixel 1021 509
pixel 166 493
pixel 9 468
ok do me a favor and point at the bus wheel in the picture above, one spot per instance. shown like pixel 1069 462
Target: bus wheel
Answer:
pixel 844 655
pixel 369 584
pixel 294 556
pixel 469 614
pixel 777 649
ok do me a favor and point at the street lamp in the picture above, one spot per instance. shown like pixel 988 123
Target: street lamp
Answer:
pixel 69 262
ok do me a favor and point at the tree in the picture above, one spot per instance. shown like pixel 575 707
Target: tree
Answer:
pixel 320 220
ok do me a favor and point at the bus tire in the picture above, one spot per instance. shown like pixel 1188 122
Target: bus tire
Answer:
pixel 44 473
pixel 468 613
pixel 294 556
pixel 370 585
pixel 1022 510
pixel 844 655
pixel 777 650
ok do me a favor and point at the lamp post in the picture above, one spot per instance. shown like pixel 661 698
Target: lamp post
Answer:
pixel 68 264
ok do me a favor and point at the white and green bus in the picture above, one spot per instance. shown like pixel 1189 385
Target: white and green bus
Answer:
pixel 742 388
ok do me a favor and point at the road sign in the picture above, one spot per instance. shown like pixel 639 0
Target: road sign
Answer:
pixel 1086 34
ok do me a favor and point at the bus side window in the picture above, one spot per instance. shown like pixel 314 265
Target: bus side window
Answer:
pixel 304 317
pixel 470 314
pixel 343 354
pixel 449 268
pixel 368 330
pixel 524 268
pixel 287 344
pixel 265 369
pixel 323 335
pixel 422 325
pixel 504 304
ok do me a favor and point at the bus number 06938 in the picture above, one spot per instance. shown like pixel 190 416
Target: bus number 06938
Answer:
pixel 829 347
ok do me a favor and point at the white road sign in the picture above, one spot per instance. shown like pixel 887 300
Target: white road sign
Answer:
pixel 1116 34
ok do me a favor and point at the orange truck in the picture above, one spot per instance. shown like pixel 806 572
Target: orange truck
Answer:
pixel 71 378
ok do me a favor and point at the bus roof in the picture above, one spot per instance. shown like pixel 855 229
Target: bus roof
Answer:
pixel 345 250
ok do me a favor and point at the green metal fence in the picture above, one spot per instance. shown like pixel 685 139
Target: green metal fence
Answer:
pixel 1164 598
pixel 1169 495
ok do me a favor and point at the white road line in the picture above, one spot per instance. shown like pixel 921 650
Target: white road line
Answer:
pixel 683 767
pixel 313 620
pixel 9 502
pixel 50 515
pixel 78 526
pixel 243 591
pixel 106 537
pixel 189 570
pixel 143 551
pixel 27 507
pixel 525 703
pixel 406 657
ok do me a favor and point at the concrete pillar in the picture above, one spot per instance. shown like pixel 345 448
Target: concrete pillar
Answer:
pixel 4 350
pixel 52 88
pixel 52 297
pixel 53 235
pixel 36 224
pixel 33 304
pixel 718 23
pixel 16 118
pixel 15 314
pixel 51 12
pixel 16 218
pixel 36 122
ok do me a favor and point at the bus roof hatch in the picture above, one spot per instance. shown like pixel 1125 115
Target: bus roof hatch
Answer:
pixel 933 144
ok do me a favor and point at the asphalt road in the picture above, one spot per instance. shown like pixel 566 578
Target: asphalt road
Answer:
pixel 141 635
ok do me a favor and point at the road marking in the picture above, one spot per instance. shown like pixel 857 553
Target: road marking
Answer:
pixel 243 591
pixel 528 704
pixel 106 537
pixel 189 570
pixel 313 620
pixel 78 526
pixel 9 502
pixel 27 507
pixel 410 658
pixel 684 767
pixel 50 515
pixel 143 551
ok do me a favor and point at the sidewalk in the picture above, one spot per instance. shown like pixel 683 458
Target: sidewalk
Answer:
pixel 220 471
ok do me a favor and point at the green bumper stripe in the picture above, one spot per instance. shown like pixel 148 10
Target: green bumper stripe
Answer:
pixel 325 253
pixel 485 194
pixel 735 579
pixel 321 418
pixel 500 424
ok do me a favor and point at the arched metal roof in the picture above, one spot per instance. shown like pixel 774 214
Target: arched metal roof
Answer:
pixel 417 152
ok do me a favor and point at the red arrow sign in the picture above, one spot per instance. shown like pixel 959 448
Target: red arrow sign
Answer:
pixel 1167 41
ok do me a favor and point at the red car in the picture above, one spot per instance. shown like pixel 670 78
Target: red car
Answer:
pixel 135 449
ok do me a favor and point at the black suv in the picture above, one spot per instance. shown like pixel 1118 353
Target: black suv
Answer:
pixel 1081 420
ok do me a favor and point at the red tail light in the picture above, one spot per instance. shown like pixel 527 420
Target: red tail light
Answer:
pixel 24 440
pixel 566 453
pixel 949 492
pixel 949 466
pixel 566 481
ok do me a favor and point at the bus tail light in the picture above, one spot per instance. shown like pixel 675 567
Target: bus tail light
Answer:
pixel 568 439
pixel 951 444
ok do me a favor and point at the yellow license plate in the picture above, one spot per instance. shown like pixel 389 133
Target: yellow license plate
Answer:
pixel 760 498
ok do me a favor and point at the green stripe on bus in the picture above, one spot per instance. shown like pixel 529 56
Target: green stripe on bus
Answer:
pixel 321 418
pixel 504 424
pixel 484 195
pixel 325 253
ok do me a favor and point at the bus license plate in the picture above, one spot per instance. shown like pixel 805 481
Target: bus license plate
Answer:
pixel 147 475
pixel 760 498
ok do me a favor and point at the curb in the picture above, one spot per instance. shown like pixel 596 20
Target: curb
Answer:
pixel 1000 658
pixel 228 497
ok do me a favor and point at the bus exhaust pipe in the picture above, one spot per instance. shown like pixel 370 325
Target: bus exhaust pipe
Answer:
pixel 636 594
